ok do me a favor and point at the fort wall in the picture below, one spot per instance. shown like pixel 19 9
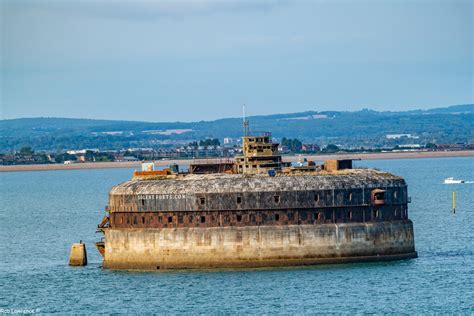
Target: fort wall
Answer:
pixel 255 246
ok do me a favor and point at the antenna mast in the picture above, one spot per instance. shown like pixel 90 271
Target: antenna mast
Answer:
pixel 245 122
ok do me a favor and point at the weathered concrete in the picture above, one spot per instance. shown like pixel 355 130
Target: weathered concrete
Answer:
pixel 256 246
pixel 78 256
pixel 225 183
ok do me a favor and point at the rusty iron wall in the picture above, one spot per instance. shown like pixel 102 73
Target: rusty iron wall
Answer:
pixel 349 197
pixel 257 218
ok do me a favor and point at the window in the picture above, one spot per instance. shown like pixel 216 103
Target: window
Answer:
pixel 190 218
pixel 277 217
pixel 290 216
pixel 350 197
pixel 303 215
pixel 328 215
pixel 203 219
pixel 170 219
pixel 121 219
pixel 143 202
pixel 349 215
pixel 395 195
pixel 180 219
pixel 160 219
pixel 143 219
pixel 316 197
pixel 135 220
pixel 379 196
pixel 239 217
pixel 276 198
pixel 239 199
pixel 202 201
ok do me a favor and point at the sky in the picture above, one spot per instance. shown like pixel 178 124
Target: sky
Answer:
pixel 201 60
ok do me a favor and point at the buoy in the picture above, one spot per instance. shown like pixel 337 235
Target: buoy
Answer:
pixel 78 255
pixel 454 202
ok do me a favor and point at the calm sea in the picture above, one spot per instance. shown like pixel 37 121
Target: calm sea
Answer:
pixel 43 213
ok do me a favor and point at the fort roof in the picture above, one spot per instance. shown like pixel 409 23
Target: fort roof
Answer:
pixel 233 183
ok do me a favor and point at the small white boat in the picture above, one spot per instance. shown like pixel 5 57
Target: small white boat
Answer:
pixel 451 180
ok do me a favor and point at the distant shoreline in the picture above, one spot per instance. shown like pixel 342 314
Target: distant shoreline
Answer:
pixel 137 164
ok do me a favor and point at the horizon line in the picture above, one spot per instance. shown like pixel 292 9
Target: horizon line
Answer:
pixel 225 118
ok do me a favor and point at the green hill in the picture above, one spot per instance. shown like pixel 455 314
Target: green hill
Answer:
pixel 360 128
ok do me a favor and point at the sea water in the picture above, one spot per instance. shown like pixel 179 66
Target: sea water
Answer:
pixel 43 213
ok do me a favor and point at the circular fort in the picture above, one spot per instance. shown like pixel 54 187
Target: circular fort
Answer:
pixel 256 211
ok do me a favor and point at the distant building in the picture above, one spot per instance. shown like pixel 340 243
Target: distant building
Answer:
pixel 283 149
pixel 228 140
pixel 410 146
pixel 130 158
pixel 398 136
pixel 82 151
pixel 310 147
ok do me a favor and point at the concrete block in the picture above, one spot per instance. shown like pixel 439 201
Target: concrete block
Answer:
pixel 78 256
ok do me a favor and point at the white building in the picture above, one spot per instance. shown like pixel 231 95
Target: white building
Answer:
pixel 398 136
pixel 81 151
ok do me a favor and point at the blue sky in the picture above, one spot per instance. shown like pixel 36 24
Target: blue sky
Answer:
pixel 201 60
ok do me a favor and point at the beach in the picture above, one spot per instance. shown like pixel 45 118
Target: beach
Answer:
pixel 184 162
